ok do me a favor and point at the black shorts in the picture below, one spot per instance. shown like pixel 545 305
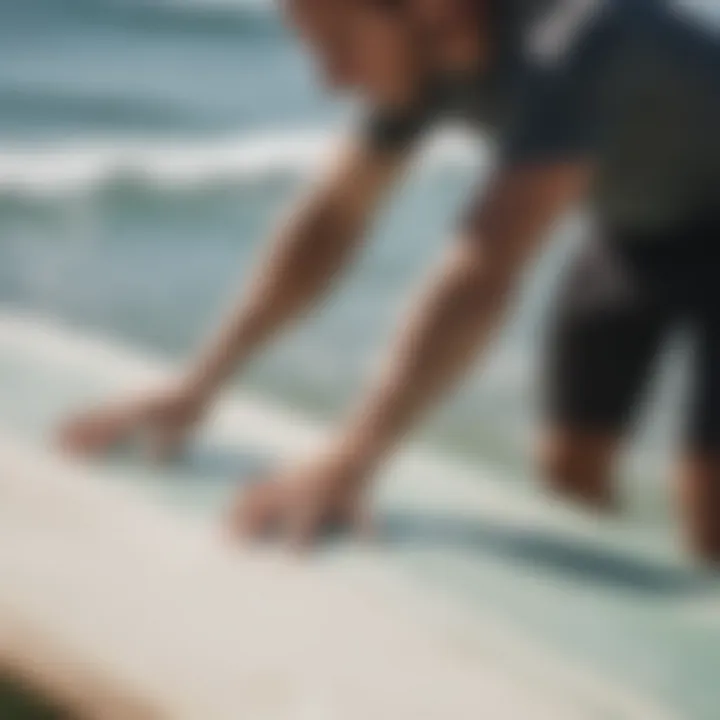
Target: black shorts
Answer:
pixel 623 296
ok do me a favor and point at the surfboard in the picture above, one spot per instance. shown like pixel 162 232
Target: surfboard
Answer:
pixel 118 591
pixel 120 609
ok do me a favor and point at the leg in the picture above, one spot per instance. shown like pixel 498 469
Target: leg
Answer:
pixel 698 481
pixel 606 334
pixel 699 470
pixel 577 464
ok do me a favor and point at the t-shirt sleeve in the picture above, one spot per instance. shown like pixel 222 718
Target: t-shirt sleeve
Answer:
pixel 556 113
pixel 390 131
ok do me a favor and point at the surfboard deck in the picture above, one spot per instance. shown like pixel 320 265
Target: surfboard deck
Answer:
pixel 547 598
pixel 121 609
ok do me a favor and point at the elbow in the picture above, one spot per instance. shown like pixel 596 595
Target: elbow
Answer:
pixel 489 278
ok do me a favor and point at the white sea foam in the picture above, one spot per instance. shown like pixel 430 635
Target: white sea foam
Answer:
pixel 192 7
pixel 240 5
pixel 71 168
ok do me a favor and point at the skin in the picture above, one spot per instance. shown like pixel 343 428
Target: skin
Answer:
pixel 453 318
pixel 698 489
pixel 578 465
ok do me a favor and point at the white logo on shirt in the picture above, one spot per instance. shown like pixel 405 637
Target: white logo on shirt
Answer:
pixel 553 35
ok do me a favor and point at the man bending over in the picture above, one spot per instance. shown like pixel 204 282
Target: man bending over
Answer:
pixel 611 103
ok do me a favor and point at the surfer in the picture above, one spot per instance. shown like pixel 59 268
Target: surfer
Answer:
pixel 612 104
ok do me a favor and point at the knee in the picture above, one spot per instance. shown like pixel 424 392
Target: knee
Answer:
pixel 706 550
pixel 576 469
pixel 559 467
pixel 702 535
pixel 700 501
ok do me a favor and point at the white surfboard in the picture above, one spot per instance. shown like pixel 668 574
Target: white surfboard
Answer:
pixel 122 610
pixel 120 607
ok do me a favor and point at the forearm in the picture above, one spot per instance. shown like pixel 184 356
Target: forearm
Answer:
pixel 310 250
pixel 456 316
pixel 452 323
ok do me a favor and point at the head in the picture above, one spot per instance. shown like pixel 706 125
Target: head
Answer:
pixel 381 49
pixel 365 46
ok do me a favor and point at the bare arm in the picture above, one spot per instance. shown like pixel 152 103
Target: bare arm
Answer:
pixel 312 247
pixel 449 326
pixel 462 305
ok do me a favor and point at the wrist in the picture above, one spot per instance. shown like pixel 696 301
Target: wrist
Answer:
pixel 361 452
pixel 199 387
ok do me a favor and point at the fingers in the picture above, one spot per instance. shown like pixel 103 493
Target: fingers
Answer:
pixel 255 511
pixel 363 522
pixel 93 433
pixel 297 513
pixel 162 425
pixel 315 517
pixel 306 522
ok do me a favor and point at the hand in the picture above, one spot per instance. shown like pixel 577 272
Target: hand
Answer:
pixel 326 493
pixel 167 417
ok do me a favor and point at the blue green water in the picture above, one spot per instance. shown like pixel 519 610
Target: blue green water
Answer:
pixel 145 149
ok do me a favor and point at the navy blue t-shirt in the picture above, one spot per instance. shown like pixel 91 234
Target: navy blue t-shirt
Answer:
pixel 632 84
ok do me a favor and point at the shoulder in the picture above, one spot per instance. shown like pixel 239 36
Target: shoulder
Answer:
pixel 561 53
pixel 564 31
